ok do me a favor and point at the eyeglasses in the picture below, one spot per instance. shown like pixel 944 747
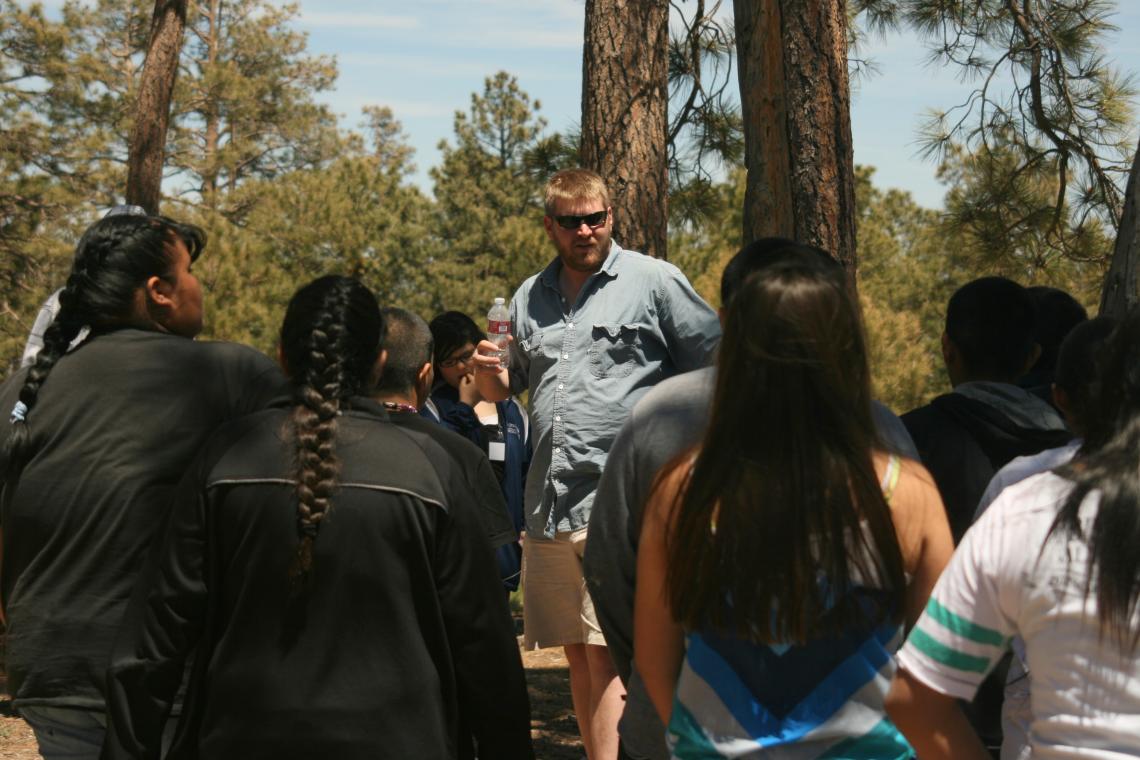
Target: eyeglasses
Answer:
pixel 455 361
pixel 574 221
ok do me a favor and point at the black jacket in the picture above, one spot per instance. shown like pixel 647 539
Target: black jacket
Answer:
pixel 966 437
pixel 115 427
pixel 403 627
pixel 477 473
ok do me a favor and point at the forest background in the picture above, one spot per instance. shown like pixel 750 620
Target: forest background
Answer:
pixel 287 192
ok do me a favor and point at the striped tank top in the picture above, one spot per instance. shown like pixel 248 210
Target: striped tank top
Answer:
pixel 741 699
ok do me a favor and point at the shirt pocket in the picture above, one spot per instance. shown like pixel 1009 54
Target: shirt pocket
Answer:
pixel 532 345
pixel 615 351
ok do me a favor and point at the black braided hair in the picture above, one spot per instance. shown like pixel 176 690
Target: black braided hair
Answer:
pixel 330 340
pixel 115 257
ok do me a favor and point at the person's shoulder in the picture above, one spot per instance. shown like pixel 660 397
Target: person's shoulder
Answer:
pixel 378 454
pixel 1029 499
pixel 453 443
pixel 233 353
pixel 513 406
pixel 436 448
pixel 240 376
pixel 915 502
pixel 915 483
pixel 892 431
pixel 643 264
pixel 527 285
pixel 1020 468
pixel 922 414
pixel 679 393
pixel 670 417
pixel 930 423
pixel 247 447
pixel 211 355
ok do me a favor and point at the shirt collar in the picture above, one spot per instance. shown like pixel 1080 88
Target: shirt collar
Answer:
pixel 611 268
pixel 366 405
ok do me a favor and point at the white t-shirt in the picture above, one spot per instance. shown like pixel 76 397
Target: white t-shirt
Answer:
pixel 1002 581
pixel 1016 712
pixel 1020 468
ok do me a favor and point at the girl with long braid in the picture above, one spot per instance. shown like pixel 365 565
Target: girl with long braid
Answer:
pixel 329 572
pixel 92 443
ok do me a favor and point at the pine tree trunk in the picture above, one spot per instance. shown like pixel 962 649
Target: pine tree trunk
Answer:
pixel 152 111
pixel 210 112
pixel 1121 291
pixel 795 101
pixel 624 124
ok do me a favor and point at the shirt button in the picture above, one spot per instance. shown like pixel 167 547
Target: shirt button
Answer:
pixel 557 449
pixel 558 418
pixel 560 386
pixel 565 356
pixel 571 325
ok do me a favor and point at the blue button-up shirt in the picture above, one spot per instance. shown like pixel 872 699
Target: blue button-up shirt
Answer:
pixel 636 322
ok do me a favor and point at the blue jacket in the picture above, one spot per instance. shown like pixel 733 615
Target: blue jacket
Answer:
pixel 459 417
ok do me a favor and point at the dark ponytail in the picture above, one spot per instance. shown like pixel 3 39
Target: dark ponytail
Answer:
pixel 330 340
pixel 1109 463
pixel 115 256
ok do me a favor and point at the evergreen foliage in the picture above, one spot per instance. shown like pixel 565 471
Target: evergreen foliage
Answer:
pixel 1048 123
pixel 287 199
pixel 488 192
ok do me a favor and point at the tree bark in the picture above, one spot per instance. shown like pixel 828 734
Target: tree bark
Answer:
pixel 152 110
pixel 625 91
pixel 795 102
pixel 1121 291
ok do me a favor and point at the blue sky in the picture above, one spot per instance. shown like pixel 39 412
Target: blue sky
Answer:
pixel 425 58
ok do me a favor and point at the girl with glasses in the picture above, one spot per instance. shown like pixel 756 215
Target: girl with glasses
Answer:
pixel 501 429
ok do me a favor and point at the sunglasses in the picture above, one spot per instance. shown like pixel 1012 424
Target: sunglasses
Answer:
pixel 574 221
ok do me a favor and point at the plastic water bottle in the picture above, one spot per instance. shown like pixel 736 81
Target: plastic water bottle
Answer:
pixel 499 326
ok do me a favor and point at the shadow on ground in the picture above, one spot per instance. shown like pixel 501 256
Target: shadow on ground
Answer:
pixel 552 721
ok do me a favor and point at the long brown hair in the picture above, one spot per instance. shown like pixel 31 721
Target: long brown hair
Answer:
pixel 782 513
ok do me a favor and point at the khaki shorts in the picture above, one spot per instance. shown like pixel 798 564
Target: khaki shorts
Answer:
pixel 557 610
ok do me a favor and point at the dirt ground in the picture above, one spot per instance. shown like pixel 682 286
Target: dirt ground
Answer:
pixel 552 721
pixel 553 725
pixel 16 740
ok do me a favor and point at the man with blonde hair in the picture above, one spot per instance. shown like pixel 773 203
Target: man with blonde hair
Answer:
pixel 593 331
